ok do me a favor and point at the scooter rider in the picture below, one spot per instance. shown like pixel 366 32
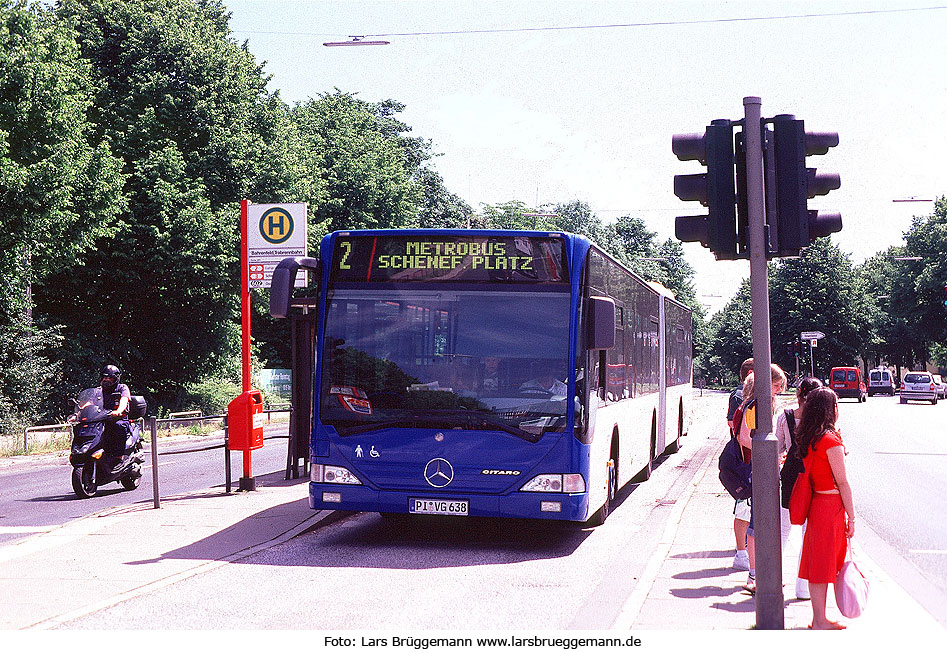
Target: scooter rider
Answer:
pixel 115 398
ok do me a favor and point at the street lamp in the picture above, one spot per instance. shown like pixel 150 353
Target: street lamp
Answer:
pixel 356 40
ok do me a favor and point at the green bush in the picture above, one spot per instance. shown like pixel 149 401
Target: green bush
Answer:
pixel 210 396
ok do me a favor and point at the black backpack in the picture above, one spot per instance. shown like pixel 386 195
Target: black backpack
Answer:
pixel 793 466
pixel 735 472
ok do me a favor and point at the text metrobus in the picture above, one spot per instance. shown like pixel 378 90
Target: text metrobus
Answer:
pixel 487 373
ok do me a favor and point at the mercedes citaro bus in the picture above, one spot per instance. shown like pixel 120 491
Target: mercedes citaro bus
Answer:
pixel 487 373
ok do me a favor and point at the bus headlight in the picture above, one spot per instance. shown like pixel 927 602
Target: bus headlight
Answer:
pixel 332 474
pixel 555 483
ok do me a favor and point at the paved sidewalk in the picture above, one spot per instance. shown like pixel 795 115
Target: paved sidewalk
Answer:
pixel 90 563
pixel 690 582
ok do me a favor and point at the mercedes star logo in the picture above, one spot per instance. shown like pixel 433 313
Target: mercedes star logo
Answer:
pixel 438 473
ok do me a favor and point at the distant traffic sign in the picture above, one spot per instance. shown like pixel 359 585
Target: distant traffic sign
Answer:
pixel 811 335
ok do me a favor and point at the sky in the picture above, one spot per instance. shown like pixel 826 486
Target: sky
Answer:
pixel 550 102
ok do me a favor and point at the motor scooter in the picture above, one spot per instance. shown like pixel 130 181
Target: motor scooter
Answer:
pixel 91 467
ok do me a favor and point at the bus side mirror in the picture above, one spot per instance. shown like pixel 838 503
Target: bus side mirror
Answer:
pixel 601 315
pixel 283 281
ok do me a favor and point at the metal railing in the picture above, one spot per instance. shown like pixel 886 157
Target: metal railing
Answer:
pixel 66 427
pixel 184 418
pixel 151 424
pixel 185 413
pixel 48 428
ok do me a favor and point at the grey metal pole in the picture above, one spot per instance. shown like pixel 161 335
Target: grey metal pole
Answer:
pixel 811 360
pixel 769 583
pixel 154 460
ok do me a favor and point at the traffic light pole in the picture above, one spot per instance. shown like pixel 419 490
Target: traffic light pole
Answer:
pixel 769 585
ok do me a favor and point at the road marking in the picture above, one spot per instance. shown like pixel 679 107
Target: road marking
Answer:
pixel 6 530
pixel 911 453
pixel 933 552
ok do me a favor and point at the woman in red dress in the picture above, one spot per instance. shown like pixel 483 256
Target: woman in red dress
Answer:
pixel 831 518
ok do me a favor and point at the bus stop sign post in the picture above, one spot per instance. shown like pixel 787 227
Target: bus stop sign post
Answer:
pixel 769 592
pixel 247 482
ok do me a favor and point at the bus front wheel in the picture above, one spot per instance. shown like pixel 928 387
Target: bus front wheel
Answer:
pixel 602 513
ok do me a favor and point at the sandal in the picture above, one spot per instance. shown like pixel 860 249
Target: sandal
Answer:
pixel 833 625
pixel 750 585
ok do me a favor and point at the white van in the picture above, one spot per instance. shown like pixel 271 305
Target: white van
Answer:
pixel 880 380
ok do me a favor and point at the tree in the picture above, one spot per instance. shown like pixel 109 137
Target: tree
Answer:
pixel 904 291
pixel 60 187
pixel 885 330
pixel 510 215
pixel 731 339
pixel 441 209
pixel 368 167
pixel 818 291
pixel 926 280
pixel 635 245
pixel 187 111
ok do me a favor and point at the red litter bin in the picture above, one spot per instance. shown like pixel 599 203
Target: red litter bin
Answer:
pixel 245 421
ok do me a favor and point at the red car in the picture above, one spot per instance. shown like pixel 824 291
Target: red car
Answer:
pixel 848 383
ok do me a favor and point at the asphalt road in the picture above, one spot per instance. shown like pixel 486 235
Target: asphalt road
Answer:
pixel 36 491
pixel 897 465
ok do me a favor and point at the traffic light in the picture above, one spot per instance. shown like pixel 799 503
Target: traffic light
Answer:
pixel 945 294
pixel 714 189
pixel 789 349
pixel 797 348
pixel 797 226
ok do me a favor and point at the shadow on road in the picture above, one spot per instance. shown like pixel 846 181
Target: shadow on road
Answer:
pixel 369 540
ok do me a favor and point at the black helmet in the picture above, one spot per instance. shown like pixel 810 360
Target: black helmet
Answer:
pixel 112 373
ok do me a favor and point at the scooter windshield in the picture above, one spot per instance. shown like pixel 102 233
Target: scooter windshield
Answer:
pixel 91 406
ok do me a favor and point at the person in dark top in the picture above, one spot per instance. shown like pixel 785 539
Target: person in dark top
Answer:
pixel 115 398
pixel 741 509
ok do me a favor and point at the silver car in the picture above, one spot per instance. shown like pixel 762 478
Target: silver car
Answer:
pixel 919 386
pixel 941 386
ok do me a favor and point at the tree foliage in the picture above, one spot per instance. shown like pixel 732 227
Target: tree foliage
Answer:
pixel 818 291
pixel 906 287
pixel 368 166
pixel 59 189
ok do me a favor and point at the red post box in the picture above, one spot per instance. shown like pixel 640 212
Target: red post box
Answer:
pixel 245 421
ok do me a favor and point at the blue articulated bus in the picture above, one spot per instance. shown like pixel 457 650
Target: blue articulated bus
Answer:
pixel 487 373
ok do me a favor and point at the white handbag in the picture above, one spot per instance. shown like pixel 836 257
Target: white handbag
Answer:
pixel 851 587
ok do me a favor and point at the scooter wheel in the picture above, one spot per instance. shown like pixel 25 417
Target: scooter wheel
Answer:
pixel 83 481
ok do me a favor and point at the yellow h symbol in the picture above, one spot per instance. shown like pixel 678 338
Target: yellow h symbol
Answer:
pixel 276 225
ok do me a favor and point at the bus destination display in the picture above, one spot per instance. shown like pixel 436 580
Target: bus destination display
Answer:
pixel 449 258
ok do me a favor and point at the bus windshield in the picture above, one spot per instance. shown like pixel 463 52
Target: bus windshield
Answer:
pixel 449 359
